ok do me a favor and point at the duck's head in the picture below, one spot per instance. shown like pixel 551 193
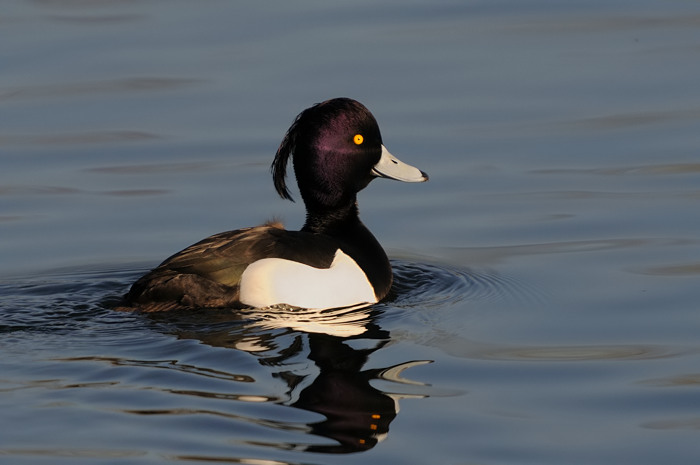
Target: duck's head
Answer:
pixel 337 150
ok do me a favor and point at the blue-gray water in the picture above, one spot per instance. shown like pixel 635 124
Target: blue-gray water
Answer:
pixel 547 277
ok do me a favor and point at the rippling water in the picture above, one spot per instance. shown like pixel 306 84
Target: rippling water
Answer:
pixel 314 362
pixel 545 306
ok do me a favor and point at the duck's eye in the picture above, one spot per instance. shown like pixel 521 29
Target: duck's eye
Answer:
pixel 358 139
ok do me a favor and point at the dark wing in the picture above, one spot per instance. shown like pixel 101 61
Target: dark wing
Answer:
pixel 208 273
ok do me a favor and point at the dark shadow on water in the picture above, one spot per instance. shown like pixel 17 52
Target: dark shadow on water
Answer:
pixel 355 415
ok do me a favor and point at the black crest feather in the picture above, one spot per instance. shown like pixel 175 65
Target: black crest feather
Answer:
pixel 279 164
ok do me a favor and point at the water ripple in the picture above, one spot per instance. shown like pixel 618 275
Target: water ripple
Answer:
pixel 434 285
pixel 68 300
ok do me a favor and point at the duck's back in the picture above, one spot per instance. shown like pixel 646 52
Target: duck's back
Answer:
pixel 208 274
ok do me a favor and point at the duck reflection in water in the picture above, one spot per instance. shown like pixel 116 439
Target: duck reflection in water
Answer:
pixel 356 414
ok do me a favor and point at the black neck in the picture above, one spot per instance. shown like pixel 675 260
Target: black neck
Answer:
pixel 333 222
pixel 343 223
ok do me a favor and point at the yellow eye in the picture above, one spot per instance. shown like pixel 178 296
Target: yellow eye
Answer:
pixel 358 139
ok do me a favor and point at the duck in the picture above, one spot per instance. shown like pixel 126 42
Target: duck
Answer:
pixel 334 261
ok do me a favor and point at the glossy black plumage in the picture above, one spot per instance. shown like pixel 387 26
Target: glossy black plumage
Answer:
pixel 330 167
pixel 207 274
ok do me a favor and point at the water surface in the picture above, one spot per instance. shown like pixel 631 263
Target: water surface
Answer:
pixel 545 303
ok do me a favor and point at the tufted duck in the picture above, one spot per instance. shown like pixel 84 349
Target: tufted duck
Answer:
pixel 334 261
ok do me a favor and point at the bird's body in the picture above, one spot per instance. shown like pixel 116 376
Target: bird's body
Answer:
pixel 333 261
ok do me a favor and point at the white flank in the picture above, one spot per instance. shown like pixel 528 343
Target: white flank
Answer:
pixel 275 281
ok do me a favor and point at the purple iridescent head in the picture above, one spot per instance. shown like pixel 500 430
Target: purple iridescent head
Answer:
pixel 337 150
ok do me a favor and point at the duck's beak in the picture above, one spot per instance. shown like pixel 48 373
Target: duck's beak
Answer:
pixel 391 167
